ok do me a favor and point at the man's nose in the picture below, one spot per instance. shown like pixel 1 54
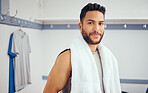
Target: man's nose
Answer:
pixel 96 27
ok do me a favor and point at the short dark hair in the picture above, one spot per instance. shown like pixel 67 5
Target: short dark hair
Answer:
pixel 91 7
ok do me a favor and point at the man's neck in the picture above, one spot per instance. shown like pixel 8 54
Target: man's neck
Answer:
pixel 93 47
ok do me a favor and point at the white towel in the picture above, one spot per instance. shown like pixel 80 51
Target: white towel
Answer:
pixel 85 77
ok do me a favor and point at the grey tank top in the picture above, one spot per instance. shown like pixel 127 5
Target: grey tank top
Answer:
pixel 67 87
pixel 100 70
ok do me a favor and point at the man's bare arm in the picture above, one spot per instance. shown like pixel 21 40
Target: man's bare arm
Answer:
pixel 59 74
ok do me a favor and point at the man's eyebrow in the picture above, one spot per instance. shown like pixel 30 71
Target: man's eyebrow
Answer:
pixel 101 21
pixel 93 20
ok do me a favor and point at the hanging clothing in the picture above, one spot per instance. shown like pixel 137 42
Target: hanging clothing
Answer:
pixel 84 70
pixel 11 69
pixel 21 47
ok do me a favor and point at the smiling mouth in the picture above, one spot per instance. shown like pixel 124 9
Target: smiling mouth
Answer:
pixel 95 34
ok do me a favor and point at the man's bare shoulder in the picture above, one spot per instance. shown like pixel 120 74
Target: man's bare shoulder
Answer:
pixel 64 56
pixel 59 74
pixel 66 52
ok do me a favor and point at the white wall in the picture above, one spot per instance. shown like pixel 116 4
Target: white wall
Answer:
pixel 116 9
pixel 130 49
pixel 54 41
pixel 27 9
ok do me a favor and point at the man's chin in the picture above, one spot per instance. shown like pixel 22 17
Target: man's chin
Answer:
pixel 95 43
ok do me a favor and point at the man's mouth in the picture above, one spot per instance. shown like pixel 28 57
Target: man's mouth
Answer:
pixel 95 34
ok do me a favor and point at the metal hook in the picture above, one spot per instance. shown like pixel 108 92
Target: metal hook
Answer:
pixel 20 25
pixel 11 19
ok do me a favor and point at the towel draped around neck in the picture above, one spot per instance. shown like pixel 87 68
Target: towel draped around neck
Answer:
pixel 85 77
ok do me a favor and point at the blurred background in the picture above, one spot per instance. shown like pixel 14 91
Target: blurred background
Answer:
pixel 52 24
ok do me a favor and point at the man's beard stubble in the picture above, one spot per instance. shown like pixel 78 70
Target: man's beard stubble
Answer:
pixel 88 39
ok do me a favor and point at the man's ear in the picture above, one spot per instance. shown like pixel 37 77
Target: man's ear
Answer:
pixel 80 26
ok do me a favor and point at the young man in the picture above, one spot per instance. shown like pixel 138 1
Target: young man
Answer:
pixel 88 66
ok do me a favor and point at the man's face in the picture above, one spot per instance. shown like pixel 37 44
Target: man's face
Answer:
pixel 92 27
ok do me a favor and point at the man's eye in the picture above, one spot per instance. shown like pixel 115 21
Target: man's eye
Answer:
pixel 90 22
pixel 101 23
